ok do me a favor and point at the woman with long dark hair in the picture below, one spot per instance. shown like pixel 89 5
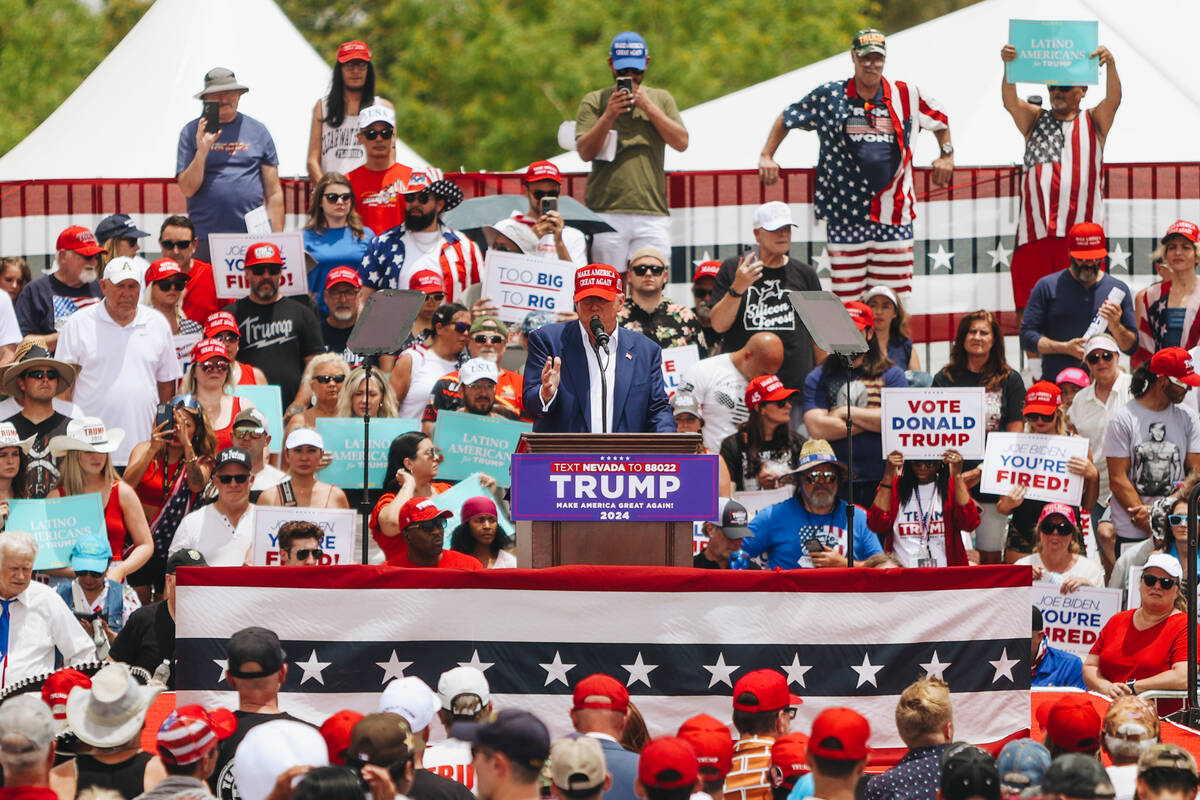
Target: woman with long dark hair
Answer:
pixel 419 367
pixel 977 359
pixel 333 140
pixel 825 405
pixel 412 466
pixel 334 234
pixel 764 448
pixel 932 492
pixel 480 535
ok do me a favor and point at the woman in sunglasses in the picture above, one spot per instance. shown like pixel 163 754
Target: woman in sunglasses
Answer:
pixel 1043 414
pixel 411 469
pixel 419 367
pixel 1168 534
pixel 222 326
pixel 1166 311
pixel 934 494
pixel 334 234
pixel 764 448
pixel 165 283
pixel 210 381
pixel 1056 558
pixel 167 474
pixel 325 376
pixel 1144 648
pixel 87 468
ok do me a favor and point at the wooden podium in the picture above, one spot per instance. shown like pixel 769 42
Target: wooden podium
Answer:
pixel 553 544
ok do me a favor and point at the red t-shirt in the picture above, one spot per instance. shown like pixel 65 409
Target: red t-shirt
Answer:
pixel 379 196
pixel 200 298
pixel 27 793
pixel 451 559
pixel 1129 654
pixel 393 546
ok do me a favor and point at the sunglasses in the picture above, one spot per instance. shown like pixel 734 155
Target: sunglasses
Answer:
pixel 249 433
pixel 329 378
pixel 489 339
pixel 823 476
pixel 653 269
pixel 790 711
pixel 1096 358
pixel 375 133
pixel 434 453
pixel 1039 418
pixel 226 337
pixel 339 197
pixel 271 269
pixel 215 365
pixel 228 479
pixel 433 526
pixel 182 244
pixel 539 194
pixel 1177 519
pixel 41 374
pixel 630 71
pixel 437 297
pixel 422 196
pixel 1057 529
pixel 700 294
pixel 172 284
pixel 303 555
pixel 785 403
pixel 461 327
pixel 1152 580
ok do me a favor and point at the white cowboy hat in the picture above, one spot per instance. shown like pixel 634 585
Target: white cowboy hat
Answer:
pixel 113 711
pixel 89 435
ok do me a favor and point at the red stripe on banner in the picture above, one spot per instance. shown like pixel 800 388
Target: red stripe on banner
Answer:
pixel 942 327
pixel 618 579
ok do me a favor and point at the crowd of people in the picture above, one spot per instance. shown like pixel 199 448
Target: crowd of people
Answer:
pixel 121 380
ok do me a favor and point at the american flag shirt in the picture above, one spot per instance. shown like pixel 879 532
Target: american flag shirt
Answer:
pixel 842 195
pixel 383 266
pixel 1063 182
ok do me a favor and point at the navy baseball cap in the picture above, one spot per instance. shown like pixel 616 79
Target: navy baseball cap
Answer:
pixel 628 51
pixel 118 226
pixel 518 734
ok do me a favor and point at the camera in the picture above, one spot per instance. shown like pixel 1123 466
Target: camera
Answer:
pixel 549 204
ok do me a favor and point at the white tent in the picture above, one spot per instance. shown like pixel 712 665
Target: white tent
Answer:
pixel 124 119
pixel 956 59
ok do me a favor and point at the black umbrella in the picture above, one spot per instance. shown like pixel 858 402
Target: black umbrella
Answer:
pixel 471 215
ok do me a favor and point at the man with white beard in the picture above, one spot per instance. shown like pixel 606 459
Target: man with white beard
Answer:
pixel 341 297
pixel 487 340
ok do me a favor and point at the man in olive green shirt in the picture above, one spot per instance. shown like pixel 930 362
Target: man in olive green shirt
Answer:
pixel 628 187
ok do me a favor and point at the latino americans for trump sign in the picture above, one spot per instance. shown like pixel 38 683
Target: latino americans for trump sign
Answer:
pixel 677 638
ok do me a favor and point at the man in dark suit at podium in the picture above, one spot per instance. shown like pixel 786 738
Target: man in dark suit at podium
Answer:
pixel 589 375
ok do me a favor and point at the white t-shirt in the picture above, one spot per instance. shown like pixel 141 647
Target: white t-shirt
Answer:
pixel 267 478
pixel 504 560
pixel 120 367
pixel 340 149
pixel 925 506
pixel 209 531
pixel 427 367
pixel 10 331
pixel 1090 418
pixel 1082 568
pixel 721 390
pixel 1124 780
pixel 451 758
pixel 573 240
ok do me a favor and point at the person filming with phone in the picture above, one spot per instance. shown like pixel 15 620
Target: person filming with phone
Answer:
pixel 628 185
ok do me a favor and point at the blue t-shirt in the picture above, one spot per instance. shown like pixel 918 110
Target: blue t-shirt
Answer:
pixel 827 392
pixel 781 530
pixel 1059 668
pixel 233 181
pixel 336 247
pixel 872 139
pixel 900 351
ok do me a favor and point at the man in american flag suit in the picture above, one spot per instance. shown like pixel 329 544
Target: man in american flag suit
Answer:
pixel 864 188
pixel 1062 183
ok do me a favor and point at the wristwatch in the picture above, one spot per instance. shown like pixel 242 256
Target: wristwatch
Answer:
pixel 1130 684
pixel 947 149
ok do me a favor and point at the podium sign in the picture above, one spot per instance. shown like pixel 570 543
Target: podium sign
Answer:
pixel 607 488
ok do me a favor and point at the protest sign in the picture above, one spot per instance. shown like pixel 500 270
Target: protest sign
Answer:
pixel 343 437
pixel 56 523
pixel 472 443
pixel 337 526
pixel 1072 621
pixel 1054 52
pixel 453 498
pixel 925 423
pixel 675 362
pixel 266 399
pixel 184 343
pixel 228 251
pixel 665 487
pixel 1036 461
pixel 519 284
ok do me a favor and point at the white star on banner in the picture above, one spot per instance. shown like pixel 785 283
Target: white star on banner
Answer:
pixel 224 665
pixel 639 671
pixel 866 671
pixel 1117 257
pixel 1001 256
pixel 706 257
pixel 556 670
pixel 312 669
pixel 941 258
pixel 393 667
pixel 482 666
pixel 1004 666
pixel 795 672
pixel 821 262
pixel 721 672
pixel 935 668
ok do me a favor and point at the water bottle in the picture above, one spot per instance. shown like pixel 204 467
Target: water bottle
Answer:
pixel 163 671
pixel 1099 324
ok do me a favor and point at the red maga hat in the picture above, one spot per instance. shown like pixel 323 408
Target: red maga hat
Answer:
pixel 602 692
pixel 768 690
pixel 840 734
pixel 597 280
pixel 668 762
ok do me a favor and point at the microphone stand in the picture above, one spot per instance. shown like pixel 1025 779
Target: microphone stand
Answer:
pixel 364 503
pixel 846 362
pixel 602 362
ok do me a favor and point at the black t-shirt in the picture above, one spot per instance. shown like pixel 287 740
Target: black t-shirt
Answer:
pixel 428 785
pixel 765 307
pixel 335 341
pixel 41 474
pixel 276 338
pixel 1000 408
pixel 147 639
pixel 221 781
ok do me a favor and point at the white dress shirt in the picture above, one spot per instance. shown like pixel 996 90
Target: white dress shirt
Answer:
pixel 40 622
pixel 597 425
pixel 220 542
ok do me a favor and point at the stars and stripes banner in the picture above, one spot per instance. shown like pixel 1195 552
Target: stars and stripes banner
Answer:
pixel 678 638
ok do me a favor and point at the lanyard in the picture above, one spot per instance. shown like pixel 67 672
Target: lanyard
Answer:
pixel 922 516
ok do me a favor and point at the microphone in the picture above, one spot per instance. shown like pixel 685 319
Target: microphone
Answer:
pixel 597 329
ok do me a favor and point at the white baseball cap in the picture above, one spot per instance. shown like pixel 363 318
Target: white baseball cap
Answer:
pixel 303 436
pixel 411 698
pixel 773 215
pixel 122 268
pixel 463 681
pixel 478 369
pixel 1101 341
pixel 376 113
pixel 1167 563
